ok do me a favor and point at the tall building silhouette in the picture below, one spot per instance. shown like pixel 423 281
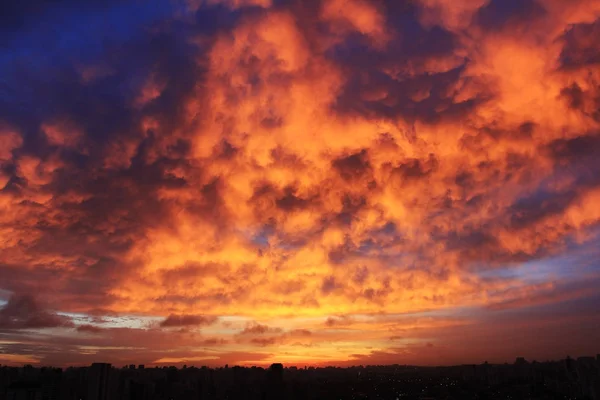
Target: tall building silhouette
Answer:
pixel 275 386
pixel 99 381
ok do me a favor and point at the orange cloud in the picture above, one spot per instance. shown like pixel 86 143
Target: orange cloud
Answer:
pixel 362 16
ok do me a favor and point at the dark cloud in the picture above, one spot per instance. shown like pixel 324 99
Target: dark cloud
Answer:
pixel 575 149
pixel 354 166
pixel 300 332
pixel 574 95
pixel 540 205
pixel 25 312
pixel 587 101
pixel 290 202
pixel 258 329
pixel 361 274
pixel 351 205
pixel 415 169
pixel 213 342
pixel 498 14
pixel 581 46
pixel 89 329
pixel 263 342
pixel 187 320
pixel 416 89
pixel 329 285
pixel 343 320
pixel 423 97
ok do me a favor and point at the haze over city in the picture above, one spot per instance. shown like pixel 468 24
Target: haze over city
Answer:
pixel 306 182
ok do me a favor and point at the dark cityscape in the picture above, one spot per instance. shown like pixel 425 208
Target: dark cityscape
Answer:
pixel 573 379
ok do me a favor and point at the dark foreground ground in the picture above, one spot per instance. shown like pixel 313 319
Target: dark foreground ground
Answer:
pixel 565 379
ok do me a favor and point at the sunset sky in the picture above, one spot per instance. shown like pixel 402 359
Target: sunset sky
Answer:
pixel 313 182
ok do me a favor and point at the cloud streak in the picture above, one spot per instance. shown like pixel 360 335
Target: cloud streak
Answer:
pixel 187 320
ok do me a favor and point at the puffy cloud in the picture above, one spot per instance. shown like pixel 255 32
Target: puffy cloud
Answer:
pixel 9 141
pixel 338 321
pixel 359 15
pixel 258 329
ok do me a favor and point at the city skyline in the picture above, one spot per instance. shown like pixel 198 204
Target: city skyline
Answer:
pixel 306 182
pixel 561 379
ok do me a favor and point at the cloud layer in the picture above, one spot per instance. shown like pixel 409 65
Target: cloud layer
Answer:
pixel 307 181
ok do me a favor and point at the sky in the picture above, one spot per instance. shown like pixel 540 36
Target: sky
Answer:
pixel 313 182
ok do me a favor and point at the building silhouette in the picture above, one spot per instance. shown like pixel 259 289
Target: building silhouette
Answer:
pixel 275 386
pixel 99 381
